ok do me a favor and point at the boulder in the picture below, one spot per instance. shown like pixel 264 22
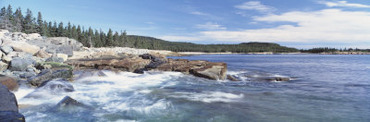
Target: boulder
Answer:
pixel 70 104
pixel 11 116
pixel 21 64
pixel 232 78
pixel 213 71
pixel 6 49
pixel 6 59
pixel 9 106
pixel 205 69
pixel 57 86
pixel 34 36
pixel 9 82
pixel 3 66
pixel 24 47
pixel 48 74
pixel 65 49
pixel 125 64
pixel 43 54
pixel 67 101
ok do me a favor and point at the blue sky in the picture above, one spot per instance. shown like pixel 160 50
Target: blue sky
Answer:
pixel 295 23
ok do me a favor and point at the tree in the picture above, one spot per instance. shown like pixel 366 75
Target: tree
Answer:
pixel 29 25
pixel 18 20
pixel 60 30
pixel 40 24
pixel 109 40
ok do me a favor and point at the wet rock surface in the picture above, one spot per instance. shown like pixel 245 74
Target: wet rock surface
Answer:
pixel 9 106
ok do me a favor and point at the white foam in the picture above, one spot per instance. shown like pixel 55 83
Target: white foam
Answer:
pixel 209 97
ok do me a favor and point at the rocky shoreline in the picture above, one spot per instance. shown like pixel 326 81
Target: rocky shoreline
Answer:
pixel 33 61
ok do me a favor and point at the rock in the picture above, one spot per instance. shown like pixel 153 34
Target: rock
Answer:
pixel 9 106
pixel 125 64
pixel 55 59
pixel 63 56
pixel 21 64
pixel 6 59
pixel 69 104
pixel 25 47
pixel 279 79
pixel 232 78
pixel 57 86
pixel 67 101
pixel 9 82
pixel 48 74
pixel 76 46
pixel 3 66
pixel 34 36
pixel 11 116
pixel 6 49
pixel 214 71
pixel 8 102
pixel 205 69
pixel 65 49
pixel 43 54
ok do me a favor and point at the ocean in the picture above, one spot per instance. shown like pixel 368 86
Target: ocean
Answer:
pixel 330 88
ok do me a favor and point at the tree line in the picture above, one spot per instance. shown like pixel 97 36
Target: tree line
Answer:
pixel 17 22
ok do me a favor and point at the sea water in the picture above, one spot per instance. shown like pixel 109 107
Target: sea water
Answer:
pixel 322 88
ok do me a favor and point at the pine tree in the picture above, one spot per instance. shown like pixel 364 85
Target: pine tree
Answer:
pixel 109 40
pixel 18 20
pixel 60 30
pixel 69 30
pixel 40 24
pixel 29 26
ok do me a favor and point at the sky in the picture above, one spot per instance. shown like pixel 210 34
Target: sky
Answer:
pixel 295 23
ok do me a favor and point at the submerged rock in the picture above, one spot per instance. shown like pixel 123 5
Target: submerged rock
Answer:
pixel 70 104
pixel 49 74
pixel 58 85
pixel 232 78
pixel 9 106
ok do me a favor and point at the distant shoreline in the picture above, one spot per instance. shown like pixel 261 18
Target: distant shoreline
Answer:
pixel 268 53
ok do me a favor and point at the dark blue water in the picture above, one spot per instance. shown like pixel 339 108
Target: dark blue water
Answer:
pixel 326 88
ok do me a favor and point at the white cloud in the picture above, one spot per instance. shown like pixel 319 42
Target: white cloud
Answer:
pixel 255 5
pixel 199 13
pixel 323 26
pixel 210 26
pixel 343 4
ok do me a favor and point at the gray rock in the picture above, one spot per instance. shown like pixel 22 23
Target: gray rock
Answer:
pixel 11 116
pixel 55 59
pixel 65 50
pixel 6 49
pixel 8 102
pixel 9 106
pixel 21 64
pixel 48 74
pixel 57 86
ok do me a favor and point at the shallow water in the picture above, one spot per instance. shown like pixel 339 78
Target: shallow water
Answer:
pixel 325 88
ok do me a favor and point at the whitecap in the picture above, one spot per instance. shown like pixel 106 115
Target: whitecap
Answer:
pixel 209 96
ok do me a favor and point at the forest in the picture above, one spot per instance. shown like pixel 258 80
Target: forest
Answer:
pixel 15 21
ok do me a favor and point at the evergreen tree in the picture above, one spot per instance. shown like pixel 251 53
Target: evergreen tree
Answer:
pixel 109 40
pixel 28 25
pixel 60 30
pixel 18 20
pixel 69 30
pixel 40 24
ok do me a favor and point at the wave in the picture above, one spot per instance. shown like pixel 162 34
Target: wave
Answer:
pixel 208 96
